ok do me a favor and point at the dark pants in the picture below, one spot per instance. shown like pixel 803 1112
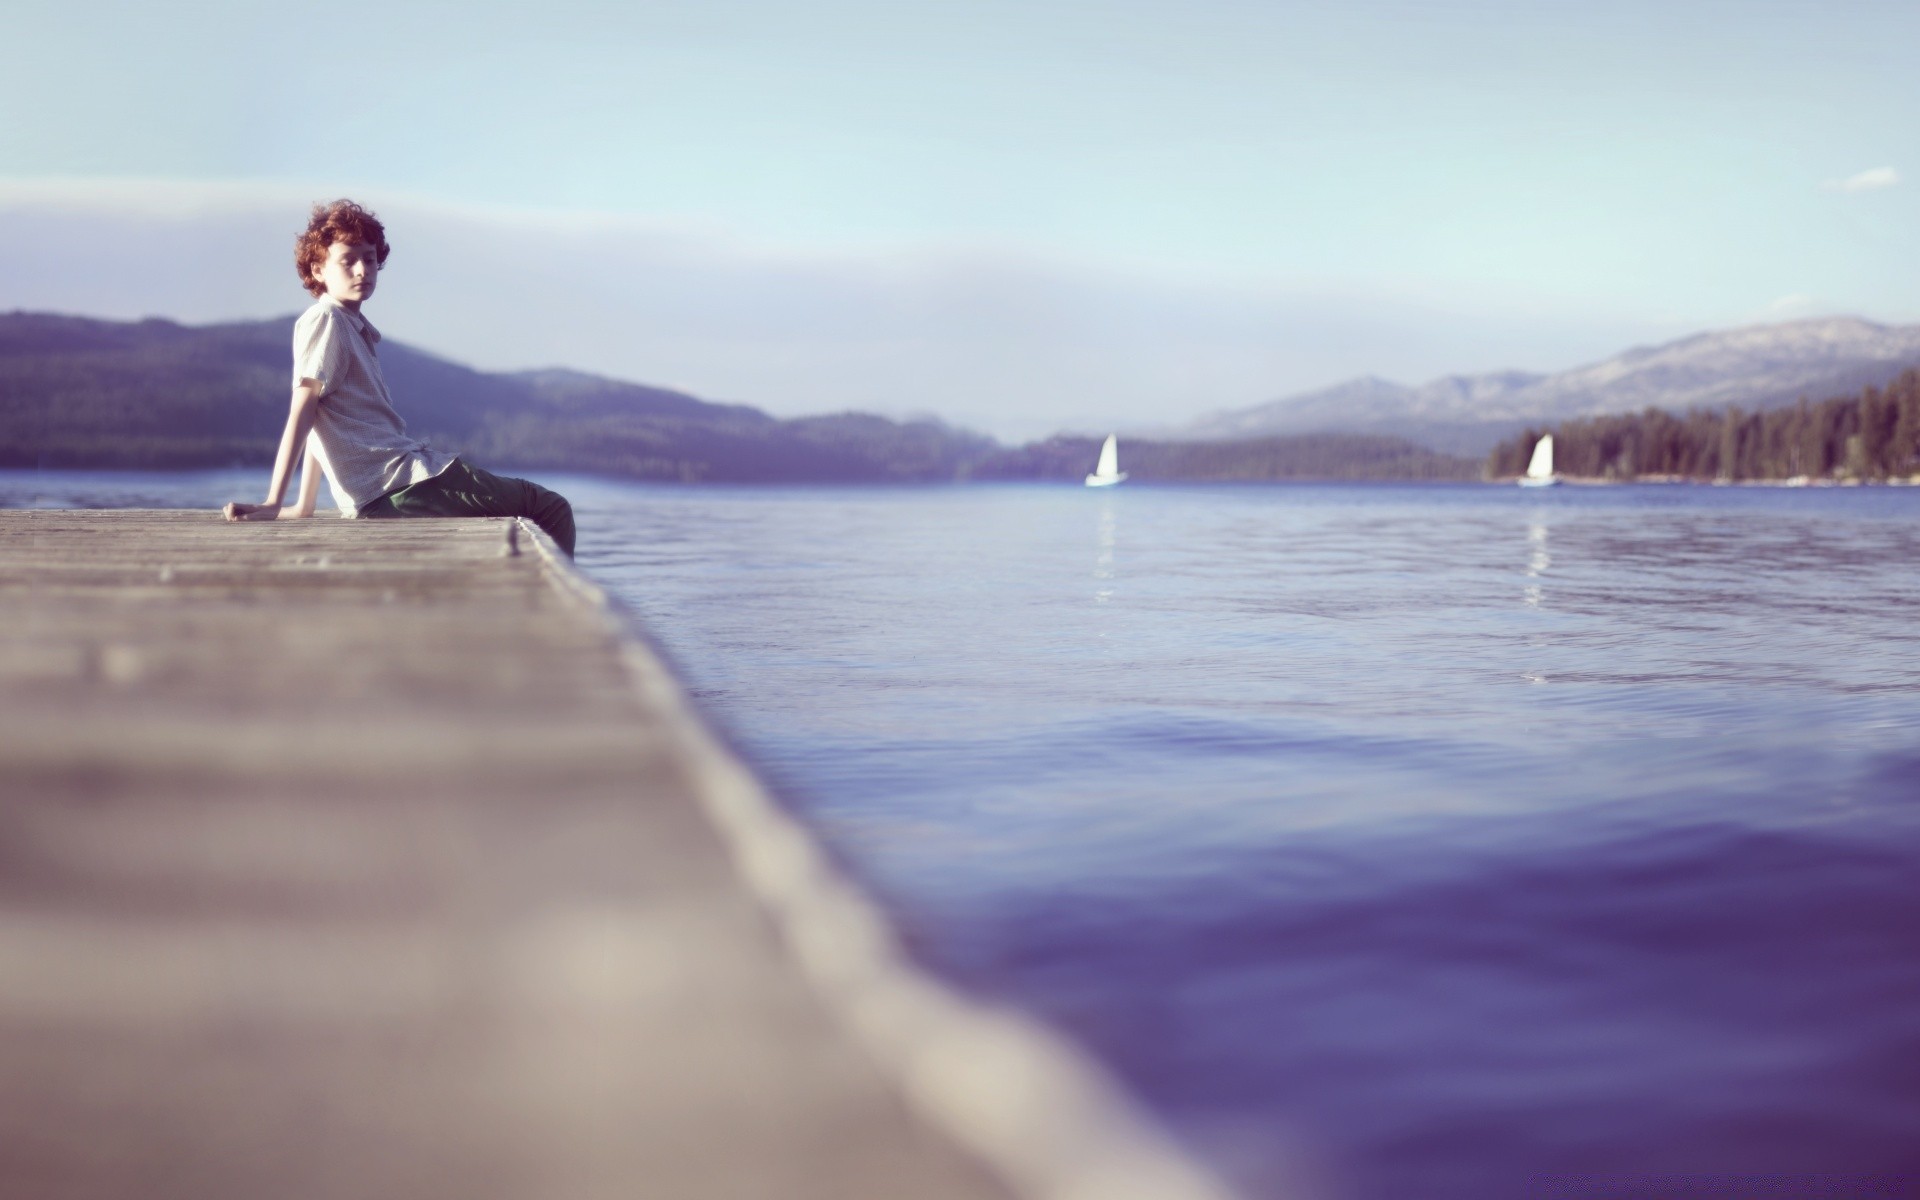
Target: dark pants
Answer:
pixel 464 491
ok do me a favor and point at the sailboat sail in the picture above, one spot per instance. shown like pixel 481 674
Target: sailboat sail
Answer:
pixel 1107 472
pixel 1542 465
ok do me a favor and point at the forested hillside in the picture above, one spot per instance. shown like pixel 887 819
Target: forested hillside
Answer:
pixel 1869 437
pixel 76 392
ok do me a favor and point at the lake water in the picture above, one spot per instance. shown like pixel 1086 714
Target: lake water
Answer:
pixel 1390 841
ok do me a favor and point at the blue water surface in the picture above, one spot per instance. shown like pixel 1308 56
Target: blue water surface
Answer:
pixel 1390 841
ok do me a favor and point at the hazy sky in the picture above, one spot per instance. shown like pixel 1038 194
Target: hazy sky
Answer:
pixel 1019 215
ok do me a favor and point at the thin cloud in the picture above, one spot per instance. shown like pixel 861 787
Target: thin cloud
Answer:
pixel 1869 180
pixel 1795 302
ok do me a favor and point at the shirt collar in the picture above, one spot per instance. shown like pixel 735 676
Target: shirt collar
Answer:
pixel 359 322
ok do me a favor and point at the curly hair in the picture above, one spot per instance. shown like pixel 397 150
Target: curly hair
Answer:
pixel 341 221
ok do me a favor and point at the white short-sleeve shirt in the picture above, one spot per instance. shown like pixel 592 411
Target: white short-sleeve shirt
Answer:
pixel 358 438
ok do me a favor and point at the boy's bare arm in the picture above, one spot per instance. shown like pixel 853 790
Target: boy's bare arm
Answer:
pixel 309 485
pixel 300 413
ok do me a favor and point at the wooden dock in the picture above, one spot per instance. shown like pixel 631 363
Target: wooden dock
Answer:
pixel 381 859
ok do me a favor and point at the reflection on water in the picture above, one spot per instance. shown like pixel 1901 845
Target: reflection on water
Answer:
pixel 1103 560
pixel 1534 592
pixel 1376 883
pixel 1538 560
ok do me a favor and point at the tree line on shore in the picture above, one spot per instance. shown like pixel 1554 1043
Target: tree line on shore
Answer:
pixel 1871 437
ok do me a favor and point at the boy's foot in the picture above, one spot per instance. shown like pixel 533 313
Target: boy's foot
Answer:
pixel 236 511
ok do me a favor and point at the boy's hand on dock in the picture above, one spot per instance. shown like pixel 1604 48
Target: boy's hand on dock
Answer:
pixel 236 511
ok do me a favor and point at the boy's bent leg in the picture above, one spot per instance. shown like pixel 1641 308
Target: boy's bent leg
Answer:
pixel 463 490
pixel 550 511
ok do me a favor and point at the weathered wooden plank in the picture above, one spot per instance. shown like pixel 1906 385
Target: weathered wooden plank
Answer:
pixel 341 859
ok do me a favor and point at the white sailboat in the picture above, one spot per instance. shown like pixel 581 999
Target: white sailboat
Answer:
pixel 1108 472
pixel 1540 469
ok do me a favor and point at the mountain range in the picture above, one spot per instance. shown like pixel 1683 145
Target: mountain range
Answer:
pixel 1755 367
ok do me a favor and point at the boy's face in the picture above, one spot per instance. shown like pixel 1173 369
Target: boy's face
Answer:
pixel 349 272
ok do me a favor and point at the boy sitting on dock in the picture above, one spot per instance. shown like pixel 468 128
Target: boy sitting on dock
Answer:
pixel 344 417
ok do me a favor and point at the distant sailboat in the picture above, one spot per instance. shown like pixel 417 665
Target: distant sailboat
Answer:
pixel 1540 470
pixel 1108 472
